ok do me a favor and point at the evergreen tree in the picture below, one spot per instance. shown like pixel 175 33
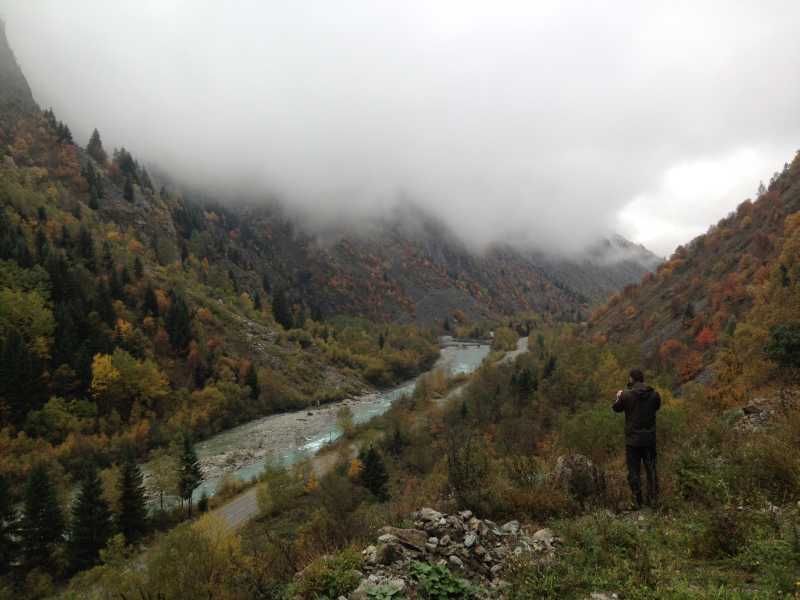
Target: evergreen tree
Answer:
pixel 265 283
pixel 281 310
pixel 257 302
pixel 42 525
pixel 95 148
pixel 132 518
pixel 91 523
pixel 8 528
pixel 381 340
pixel 190 475
pixel 86 249
pixel 127 190
pixel 150 301
pixel 138 268
pixel 178 323
pixel 94 203
pixel 374 476
pixel 251 381
pixel 446 324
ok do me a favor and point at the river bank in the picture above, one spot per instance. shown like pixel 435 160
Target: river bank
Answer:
pixel 286 438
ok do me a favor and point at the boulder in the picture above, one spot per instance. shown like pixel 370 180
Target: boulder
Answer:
pixel 430 515
pixel 579 476
pixel 411 538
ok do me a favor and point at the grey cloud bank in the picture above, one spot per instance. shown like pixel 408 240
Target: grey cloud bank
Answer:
pixel 551 123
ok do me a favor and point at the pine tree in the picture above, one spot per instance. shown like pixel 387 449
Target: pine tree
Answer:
pixel 42 525
pixel 251 381
pixel 95 148
pixel 257 302
pixel 127 190
pixel 265 283
pixel 381 340
pixel 374 476
pixel 281 310
pixel 178 323
pixel 190 475
pixel 8 528
pixel 91 523
pixel 132 518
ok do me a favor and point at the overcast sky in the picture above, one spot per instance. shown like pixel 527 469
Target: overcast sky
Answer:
pixel 555 122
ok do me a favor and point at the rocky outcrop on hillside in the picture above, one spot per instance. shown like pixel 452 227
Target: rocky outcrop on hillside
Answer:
pixel 15 94
pixel 477 551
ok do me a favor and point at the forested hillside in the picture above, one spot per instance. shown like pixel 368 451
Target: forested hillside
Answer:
pixel 726 288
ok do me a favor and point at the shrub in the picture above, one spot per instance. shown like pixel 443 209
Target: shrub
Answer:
pixel 701 476
pixel 329 577
pixel 722 534
pixel 436 582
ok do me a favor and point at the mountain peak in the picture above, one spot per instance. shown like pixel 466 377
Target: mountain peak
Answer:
pixel 15 93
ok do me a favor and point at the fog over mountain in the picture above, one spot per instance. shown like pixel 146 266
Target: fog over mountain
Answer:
pixel 552 123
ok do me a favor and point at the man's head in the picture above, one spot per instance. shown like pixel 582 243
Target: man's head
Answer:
pixel 635 376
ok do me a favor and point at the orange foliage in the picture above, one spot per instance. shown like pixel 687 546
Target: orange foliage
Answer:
pixel 706 338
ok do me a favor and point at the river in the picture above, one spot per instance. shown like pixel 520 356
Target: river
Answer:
pixel 287 438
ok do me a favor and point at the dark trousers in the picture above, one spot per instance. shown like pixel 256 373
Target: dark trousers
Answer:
pixel 635 456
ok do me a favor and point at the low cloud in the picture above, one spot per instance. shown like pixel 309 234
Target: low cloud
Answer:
pixel 551 123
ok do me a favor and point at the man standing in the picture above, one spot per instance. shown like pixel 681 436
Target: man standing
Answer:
pixel 640 403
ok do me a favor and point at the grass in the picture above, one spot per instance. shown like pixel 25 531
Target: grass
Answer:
pixel 656 558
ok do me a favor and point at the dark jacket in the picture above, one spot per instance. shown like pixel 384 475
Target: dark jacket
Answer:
pixel 640 404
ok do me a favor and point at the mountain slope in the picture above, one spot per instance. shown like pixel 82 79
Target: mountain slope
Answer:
pixel 694 302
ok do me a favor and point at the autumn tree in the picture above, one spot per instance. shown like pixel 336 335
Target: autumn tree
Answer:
pixel 42 525
pixel 164 468
pixel 91 523
pixel 95 148
pixel 344 420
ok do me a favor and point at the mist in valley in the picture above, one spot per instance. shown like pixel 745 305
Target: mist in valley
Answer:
pixel 545 124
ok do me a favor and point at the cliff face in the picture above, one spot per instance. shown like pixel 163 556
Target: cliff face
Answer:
pixel 15 93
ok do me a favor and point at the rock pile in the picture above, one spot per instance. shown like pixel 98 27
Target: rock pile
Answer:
pixel 473 549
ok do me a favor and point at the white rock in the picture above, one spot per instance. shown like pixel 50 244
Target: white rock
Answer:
pixel 512 527
pixel 470 539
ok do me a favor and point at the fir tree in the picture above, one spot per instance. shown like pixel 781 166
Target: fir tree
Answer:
pixel 178 323
pixel 95 148
pixel 190 475
pixel 281 310
pixel 374 476
pixel 42 525
pixel 257 302
pixel 265 283
pixel 127 190
pixel 91 523
pixel 132 518
pixel 8 528
pixel 251 381
pixel 381 341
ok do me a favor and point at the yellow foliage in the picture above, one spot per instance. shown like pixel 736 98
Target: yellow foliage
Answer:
pixel 104 375
pixel 312 485
pixel 354 471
